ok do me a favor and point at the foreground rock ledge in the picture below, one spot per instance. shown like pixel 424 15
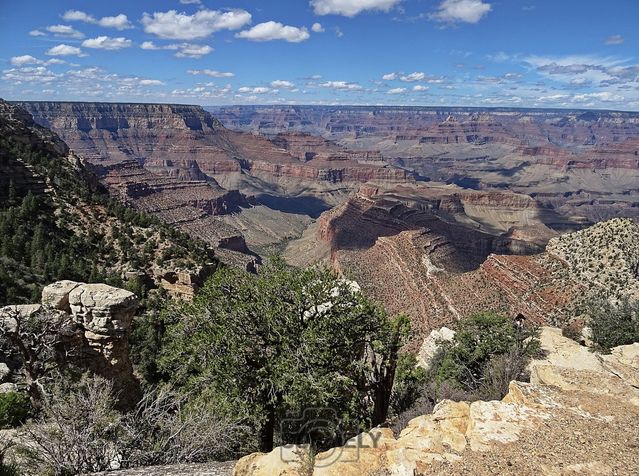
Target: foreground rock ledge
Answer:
pixel 579 415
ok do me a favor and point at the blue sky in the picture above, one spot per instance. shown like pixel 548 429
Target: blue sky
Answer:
pixel 520 53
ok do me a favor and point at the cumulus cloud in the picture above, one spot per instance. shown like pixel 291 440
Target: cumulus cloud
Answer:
pixel 107 43
pixel 390 77
pixel 24 59
pixel 419 87
pixel 211 73
pixel 281 84
pixel 30 74
pixel 466 11
pixel 412 77
pixel 341 85
pixel 180 26
pixel 64 50
pixel 397 91
pixel 151 82
pixel 187 50
pixel 37 33
pixel 614 40
pixel 119 22
pixel 256 90
pixel 65 31
pixel 183 50
pixel 28 59
pixel 318 28
pixel 350 8
pixel 272 30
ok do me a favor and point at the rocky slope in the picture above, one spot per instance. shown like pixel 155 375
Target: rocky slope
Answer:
pixel 582 163
pixel 578 415
pixel 70 228
pixel 425 263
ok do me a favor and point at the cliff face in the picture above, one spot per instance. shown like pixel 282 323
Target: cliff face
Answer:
pixel 581 163
pixel 180 164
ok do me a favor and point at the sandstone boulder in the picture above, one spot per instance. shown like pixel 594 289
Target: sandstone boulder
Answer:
pixel 56 295
pixel 103 309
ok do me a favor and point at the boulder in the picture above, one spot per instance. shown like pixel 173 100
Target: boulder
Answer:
pixel 8 387
pixel 103 309
pixel 4 371
pixel 432 344
pixel 56 295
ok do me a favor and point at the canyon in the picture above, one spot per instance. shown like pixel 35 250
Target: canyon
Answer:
pixel 419 205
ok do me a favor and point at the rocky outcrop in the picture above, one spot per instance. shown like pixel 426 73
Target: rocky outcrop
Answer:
pixel 102 315
pixel 575 417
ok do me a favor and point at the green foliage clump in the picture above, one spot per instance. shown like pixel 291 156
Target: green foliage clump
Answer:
pixel 613 324
pixel 488 351
pixel 272 345
pixel 14 409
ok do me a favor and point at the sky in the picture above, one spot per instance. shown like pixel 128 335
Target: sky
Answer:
pixel 513 53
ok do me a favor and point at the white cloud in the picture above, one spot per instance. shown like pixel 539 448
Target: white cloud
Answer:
pixel 318 28
pixel 350 8
pixel 77 15
pixel 390 77
pixel 272 30
pixel 65 31
pixel 187 50
pixel 604 96
pixel 341 85
pixel 467 11
pixel 338 33
pixel 183 50
pixel 28 59
pixel 256 90
pixel 281 84
pixel 37 33
pixel 212 73
pixel 24 59
pixel 30 74
pixel 119 22
pixel 615 40
pixel 180 26
pixel 412 77
pixel 419 87
pixel 107 43
pixel 151 82
pixel 64 50
pixel 397 91
pixel 149 45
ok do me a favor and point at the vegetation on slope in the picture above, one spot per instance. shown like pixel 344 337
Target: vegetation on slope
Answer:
pixel 56 222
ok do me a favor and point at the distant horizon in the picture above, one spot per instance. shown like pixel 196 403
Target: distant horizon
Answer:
pixel 461 53
pixel 413 106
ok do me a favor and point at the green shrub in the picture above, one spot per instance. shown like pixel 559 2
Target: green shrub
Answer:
pixel 478 340
pixel 14 409
pixel 613 324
